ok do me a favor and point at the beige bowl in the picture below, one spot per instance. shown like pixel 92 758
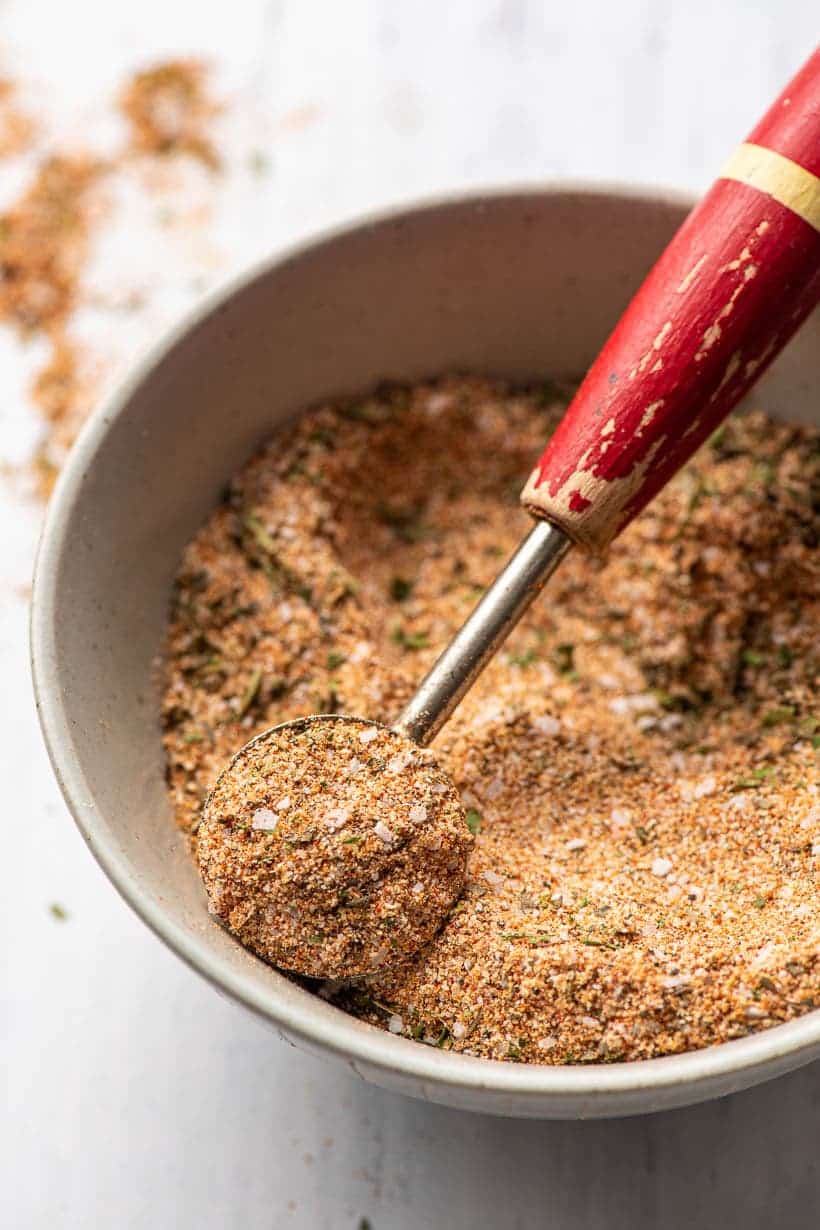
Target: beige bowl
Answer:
pixel 519 284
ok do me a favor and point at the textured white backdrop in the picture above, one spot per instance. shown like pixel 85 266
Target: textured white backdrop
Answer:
pixel 136 1097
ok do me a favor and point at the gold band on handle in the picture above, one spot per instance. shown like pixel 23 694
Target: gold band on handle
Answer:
pixel 779 177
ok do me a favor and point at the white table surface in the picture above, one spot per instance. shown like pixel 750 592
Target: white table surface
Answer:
pixel 136 1097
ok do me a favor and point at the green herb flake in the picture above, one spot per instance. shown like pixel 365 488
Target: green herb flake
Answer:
pixel 409 640
pixel 564 658
pixel 535 938
pixel 405 523
pixel 301 839
pixel 261 536
pixel 523 659
pixel 259 162
pixel 335 659
pixel 58 912
pixel 473 819
pixel 759 902
pixel 775 717
pixel 400 589
pixel 251 692
pixel 755 780
pixel 752 658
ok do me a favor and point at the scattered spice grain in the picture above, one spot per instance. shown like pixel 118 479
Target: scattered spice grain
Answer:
pixel 168 108
pixel 638 735
pixel 17 128
pixel 46 236
pixel 44 243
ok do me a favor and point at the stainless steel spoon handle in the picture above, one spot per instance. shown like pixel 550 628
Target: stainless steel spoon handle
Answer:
pixel 489 625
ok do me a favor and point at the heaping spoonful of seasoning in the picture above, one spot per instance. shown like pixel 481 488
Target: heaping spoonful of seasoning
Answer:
pixel 332 845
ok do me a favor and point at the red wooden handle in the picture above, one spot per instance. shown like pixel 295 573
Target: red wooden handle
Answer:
pixel 734 284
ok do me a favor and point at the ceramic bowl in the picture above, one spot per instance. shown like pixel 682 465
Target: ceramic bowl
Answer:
pixel 518 284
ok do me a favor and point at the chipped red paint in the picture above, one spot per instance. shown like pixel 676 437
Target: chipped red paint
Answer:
pixel 735 283
pixel 578 502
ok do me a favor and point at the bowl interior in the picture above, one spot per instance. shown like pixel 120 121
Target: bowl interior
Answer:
pixel 519 285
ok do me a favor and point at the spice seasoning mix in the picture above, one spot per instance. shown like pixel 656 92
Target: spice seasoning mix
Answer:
pixel 638 765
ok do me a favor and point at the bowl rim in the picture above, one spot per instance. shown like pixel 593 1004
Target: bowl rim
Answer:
pixel 368 1050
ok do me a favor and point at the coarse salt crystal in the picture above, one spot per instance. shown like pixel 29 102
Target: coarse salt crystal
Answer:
pixel 337 818
pixel 546 1044
pixel 738 803
pixel 360 651
pixel 384 833
pixel 438 788
pixel 353 766
pixel 546 724
pixel 459 1029
pixel 399 762
pixel 677 980
pixel 591 1022
pixel 494 789
pixel 395 1024
pixel 264 819
pixel 620 816
pixel 705 787
pixel 577 843
pixel 755 1014
pixel 661 867
pixel 418 888
pixel 438 402
pixel 493 878
pixel 283 804
pixel 641 702
pixel 418 813
pixel 368 734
